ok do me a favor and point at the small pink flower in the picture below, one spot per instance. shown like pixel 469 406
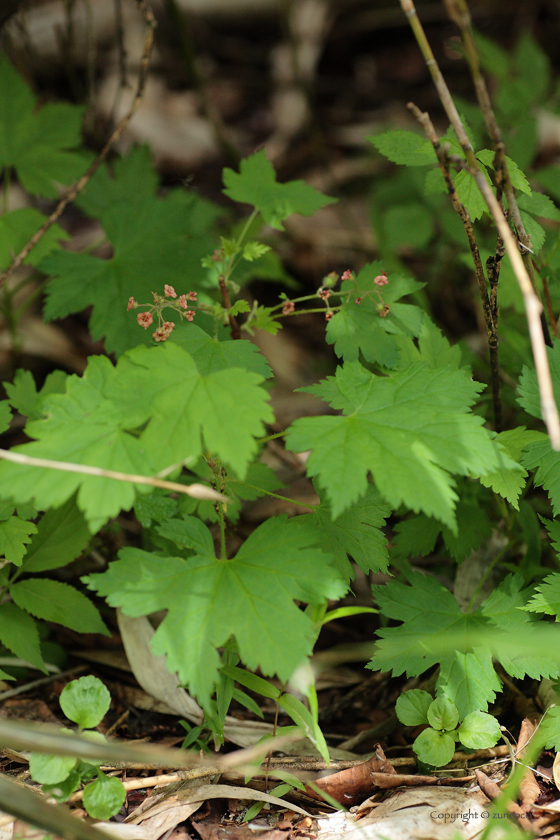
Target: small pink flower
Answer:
pixel 347 275
pixel 183 301
pixel 289 306
pixel 381 279
pixel 329 314
pixel 191 296
pixel 384 311
pixel 168 327
pixel 190 314
pixel 160 335
pixel 144 319
pixel 358 300
pixel 131 303
pixel 169 291
pixel 324 294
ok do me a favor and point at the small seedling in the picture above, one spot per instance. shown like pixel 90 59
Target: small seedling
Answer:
pixel 436 744
pixel 86 702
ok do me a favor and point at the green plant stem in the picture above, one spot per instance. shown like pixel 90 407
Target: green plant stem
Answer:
pixel 306 312
pixel 275 495
pixel 260 441
pixel 6 188
pixel 221 520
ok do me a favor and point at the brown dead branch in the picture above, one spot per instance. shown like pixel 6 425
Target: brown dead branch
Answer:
pixel 77 188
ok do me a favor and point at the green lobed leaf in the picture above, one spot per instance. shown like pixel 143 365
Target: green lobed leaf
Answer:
pixel 469 680
pixel 256 184
pixel 38 143
pixel 469 194
pixel 156 507
pixel 546 599
pixel 510 481
pixel 62 535
pixel 404 147
pixel 539 204
pixel 81 427
pixel 549 730
pixel 358 327
pixel 535 231
pixel 17 228
pixel 411 430
pixel 516 175
pixel 209 600
pixel 425 607
pixel 211 355
pixel 18 632
pixel 408 225
pixel 429 612
pixel 533 66
pixel 164 384
pixel 5 415
pixel 23 395
pixel 86 701
pixel 155 241
pixel 412 707
pixel 15 536
pixel 58 602
pixel 473 528
pixel 415 537
pixel 356 533
pixel 94 423
pixel 493 58
pixel 540 456
pixel 504 607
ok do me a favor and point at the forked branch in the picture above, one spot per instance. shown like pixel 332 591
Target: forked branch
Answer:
pixel 533 306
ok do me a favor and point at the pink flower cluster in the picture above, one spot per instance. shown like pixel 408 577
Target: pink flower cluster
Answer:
pixel 163 332
pixel 381 279
pixel 184 298
pixel 165 328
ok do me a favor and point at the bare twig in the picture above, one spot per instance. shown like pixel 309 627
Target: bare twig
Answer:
pixel 197 491
pixel 533 306
pixel 459 13
pixel 490 311
pixel 92 169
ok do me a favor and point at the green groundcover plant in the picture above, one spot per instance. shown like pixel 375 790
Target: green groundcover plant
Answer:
pixel 405 433
pixel 86 702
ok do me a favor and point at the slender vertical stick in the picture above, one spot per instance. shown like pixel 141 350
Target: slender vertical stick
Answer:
pixel 459 13
pixel 77 188
pixel 490 313
pixel 533 306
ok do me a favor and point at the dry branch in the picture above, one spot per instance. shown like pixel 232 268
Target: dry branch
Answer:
pixel 533 306
pixel 197 491
pixel 92 169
